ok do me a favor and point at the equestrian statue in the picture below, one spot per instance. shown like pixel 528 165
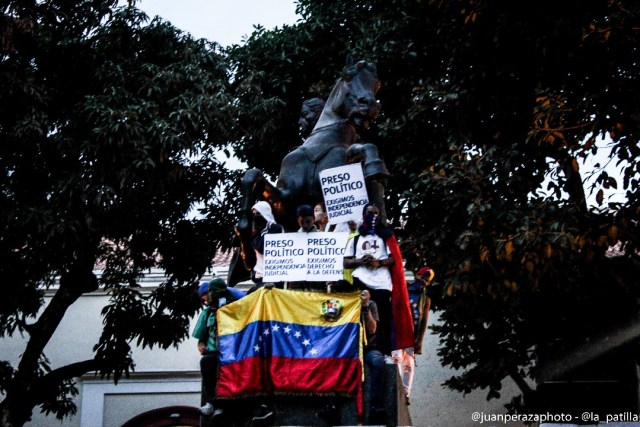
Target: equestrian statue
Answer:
pixel 334 141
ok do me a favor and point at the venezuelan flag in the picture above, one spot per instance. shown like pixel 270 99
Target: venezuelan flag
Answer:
pixel 275 341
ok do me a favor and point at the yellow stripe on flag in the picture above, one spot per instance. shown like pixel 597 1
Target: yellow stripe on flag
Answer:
pixel 303 308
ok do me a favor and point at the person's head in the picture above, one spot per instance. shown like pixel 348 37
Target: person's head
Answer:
pixel 365 296
pixel 309 115
pixel 305 217
pixel 219 293
pixel 425 274
pixel 370 208
pixel 353 226
pixel 262 215
pixel 203 292
pixel 370 218
pixel 320 215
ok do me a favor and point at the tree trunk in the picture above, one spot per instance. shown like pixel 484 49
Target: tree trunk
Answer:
pixel 24 390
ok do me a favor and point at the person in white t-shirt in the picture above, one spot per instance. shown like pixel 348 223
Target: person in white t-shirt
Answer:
pixel 370 258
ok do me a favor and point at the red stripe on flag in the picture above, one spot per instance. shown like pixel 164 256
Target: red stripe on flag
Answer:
pixel 283 375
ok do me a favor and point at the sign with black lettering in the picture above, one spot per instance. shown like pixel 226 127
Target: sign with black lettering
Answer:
pixel 311 257
pixel 345 192
pixel 285 257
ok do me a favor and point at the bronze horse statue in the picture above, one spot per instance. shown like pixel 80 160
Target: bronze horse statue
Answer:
pixel 333 142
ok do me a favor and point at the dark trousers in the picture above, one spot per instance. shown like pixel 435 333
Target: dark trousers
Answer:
pixel 375 361
pixel 382 298
pixel 209 371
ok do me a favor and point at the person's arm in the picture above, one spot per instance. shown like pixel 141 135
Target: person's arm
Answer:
pixel 367 261
pixel 370 323
pixel 257 241
pixel 368 315
pixel 352 262
pixel 386 262
pixel 199 331
pixel 424 318
pixel 379 263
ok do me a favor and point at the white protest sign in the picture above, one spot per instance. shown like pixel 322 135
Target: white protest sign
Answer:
pixel 325 252
pixel 344 192
pixel 285 257
pixel 311 257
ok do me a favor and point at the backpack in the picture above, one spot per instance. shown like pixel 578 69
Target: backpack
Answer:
pixel 347 273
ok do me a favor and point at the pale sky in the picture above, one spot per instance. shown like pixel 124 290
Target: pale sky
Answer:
pixel 223 21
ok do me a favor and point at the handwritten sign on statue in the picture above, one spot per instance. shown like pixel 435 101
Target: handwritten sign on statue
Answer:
pixel 344 192
pixel 311 257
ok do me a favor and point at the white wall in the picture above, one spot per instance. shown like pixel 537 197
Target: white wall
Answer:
pixel 172 377
pixel 161 377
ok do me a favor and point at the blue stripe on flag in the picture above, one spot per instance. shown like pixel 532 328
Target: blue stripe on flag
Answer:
pixel 272 338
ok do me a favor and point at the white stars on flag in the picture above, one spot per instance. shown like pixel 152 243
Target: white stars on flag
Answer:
pixel 291 339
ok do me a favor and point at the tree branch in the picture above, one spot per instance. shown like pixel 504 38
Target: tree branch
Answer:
pixel 47 383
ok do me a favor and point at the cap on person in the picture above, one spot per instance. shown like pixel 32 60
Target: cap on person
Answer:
pixel 203 289
pixel 427 273
pixel 217 285
pixel 304 210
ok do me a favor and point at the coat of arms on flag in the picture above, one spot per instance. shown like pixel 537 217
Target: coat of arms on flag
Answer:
pixel 332 309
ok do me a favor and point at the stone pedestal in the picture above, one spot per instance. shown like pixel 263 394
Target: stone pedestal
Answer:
pixel 311 411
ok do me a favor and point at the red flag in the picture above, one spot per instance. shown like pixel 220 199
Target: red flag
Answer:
pixel 402 322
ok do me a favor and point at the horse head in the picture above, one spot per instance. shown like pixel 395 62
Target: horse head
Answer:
pixel 354 96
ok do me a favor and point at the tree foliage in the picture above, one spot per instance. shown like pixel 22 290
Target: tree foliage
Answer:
pixel 489 108
pixel 109 125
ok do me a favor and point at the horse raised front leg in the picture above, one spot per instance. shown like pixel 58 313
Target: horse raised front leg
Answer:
pixel 256 187
pixel 253 187
pixel 367 154
pixel 374 170
pixel 248 184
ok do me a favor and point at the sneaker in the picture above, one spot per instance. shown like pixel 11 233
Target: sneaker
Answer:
pixel 207 409
pixel 263 413
pixel 217 414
